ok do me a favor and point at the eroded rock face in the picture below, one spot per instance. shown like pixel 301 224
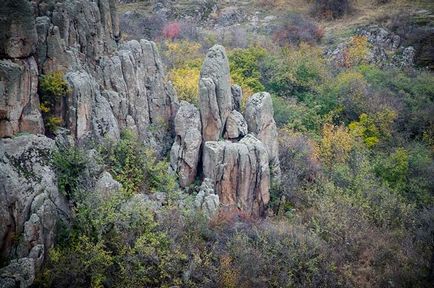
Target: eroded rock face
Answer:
pixel 114 86
pixel 185 152
pixel 135 87
pixel 259 116
pixel 385 49
pixel 106 186
pixel 237 95
pixel 17 29
pixel 19 102
pixel 30 205
pixel 215 93
pixel 239 173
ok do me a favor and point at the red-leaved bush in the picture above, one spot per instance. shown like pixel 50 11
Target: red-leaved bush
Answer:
pixel 172 30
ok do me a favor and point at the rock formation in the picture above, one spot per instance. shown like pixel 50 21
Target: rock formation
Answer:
pixel 206 199
pixel 385 49
pixel 114 86
pixel 239 172
pixel 30 206
pixel 236 170
pixel 259 116
pixel 215 93
pixel 185 151
pixel 236 126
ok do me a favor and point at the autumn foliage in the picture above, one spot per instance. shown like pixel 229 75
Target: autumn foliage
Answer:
pixel 171 30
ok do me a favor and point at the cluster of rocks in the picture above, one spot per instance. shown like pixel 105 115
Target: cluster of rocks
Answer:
pixel 235 155
pixel 385 49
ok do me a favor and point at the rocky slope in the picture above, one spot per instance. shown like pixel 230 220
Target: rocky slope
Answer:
pixel 113 86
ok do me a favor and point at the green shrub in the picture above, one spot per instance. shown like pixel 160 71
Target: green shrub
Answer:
pixel 295 70
pixel 54 85
pixel 114 241
pixel 296 115
pixel 69 164
pixel 245 68
pixel 136 167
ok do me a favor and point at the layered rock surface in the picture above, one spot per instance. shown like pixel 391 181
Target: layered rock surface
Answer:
pixel 259 117
pixel 215 93
pixel 239 172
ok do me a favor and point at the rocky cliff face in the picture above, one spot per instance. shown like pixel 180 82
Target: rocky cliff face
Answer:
pixel 30 207
pixel 113 86
pixel 238 152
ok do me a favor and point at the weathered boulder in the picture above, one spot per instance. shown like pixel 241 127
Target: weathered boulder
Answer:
pixel 259 116
pixel 215 93
pixel 206 199
pixel 30 204
pixel 106 186
pixel 185 152
pixel 236 126
pixel 385 49
pixel 19 273
pixel 19 102
pixel 239 173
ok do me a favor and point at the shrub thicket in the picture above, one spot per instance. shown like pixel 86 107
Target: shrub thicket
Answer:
pixel 53 87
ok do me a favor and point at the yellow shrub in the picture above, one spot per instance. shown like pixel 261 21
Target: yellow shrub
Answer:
pixel 371 129
pixel 335 144
pixel 186 83
pixel 357 51
pixel 179 53
pixel 228 273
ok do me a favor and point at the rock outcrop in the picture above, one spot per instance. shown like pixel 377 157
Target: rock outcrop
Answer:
pixel 215 93
pixel 185 151
pixel 113 86
pixel 207 200
pixel 259 116
pixel 30 206
pixel 384 48
pixel 19 101
pixel 236 126
pixel 236 171
pixel 239 172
